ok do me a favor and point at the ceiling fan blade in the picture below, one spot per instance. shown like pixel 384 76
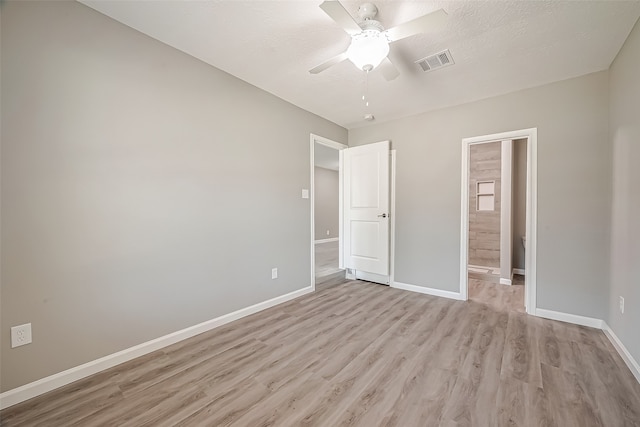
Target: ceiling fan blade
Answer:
pixel 430 22
pixel 331 62
pixel 338 13
pixel 388 70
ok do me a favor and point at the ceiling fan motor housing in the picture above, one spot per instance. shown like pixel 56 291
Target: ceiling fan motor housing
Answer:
pixel 371 24
pixel 367 11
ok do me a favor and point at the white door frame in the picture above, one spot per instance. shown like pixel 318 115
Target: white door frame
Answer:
pixel 312 195
pixel 531 211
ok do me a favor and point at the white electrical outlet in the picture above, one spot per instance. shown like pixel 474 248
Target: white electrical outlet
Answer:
pixel 21 335
pixel 274 273
pixel 328 234
pixel 622 305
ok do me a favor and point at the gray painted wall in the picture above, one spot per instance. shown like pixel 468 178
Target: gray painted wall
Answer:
pixel 574 186
pixel 624 130
pixel 519 201
pixel 143 191
pixel 326 203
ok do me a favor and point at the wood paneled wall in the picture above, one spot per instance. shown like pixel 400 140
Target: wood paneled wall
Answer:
pixel 484 226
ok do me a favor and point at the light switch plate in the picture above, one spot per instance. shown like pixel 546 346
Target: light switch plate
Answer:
pixel 305 193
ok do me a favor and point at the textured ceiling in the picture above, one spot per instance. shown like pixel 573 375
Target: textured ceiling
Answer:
pixel 498 47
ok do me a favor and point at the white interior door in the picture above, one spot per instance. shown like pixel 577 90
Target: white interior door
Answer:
pixel 366 209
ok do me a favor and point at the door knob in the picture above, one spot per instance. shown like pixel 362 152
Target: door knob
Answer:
pixel 384 215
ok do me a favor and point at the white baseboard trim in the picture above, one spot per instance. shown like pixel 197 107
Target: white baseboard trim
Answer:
pixel 633 365
pixel 428 291
pixel 44 385
pixel 519 271
pixel 569 318
pixel 332 239
pixel 505 281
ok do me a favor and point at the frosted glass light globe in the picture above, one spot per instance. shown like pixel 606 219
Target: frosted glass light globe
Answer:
pixel 368 49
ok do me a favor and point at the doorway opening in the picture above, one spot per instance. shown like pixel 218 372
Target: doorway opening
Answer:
pixel 326 223
pixel 497 265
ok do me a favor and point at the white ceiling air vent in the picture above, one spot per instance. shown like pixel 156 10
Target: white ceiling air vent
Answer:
pixel 435 61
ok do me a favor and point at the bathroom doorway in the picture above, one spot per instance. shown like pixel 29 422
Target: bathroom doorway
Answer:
pixel 498 199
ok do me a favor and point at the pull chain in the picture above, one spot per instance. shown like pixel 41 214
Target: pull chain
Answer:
pixel 365 96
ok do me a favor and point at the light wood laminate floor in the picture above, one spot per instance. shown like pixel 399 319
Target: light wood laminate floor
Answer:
pixel 360 354
pixel 326 259
pixel 484 289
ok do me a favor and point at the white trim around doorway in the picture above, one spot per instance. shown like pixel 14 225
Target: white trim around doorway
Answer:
pixel 531 135
pixel 338 146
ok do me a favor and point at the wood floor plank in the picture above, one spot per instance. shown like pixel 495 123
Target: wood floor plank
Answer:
pixel 378 396
pixel 422 398
pixel 612 393
pixel 63 409
pixel 214 400
pixel 369 343
pixel 305 318
pixel 360 354
pixel 469 402
pixel 485 288
pixel 478 380
pixel 351 369
pixel 569 402
pixel 521 357
pixel 309 353
pixel 235 355
pixel 451 339
pixel 282 406
pixel 126 410
pixel 75 410
pixel 182 399
pixel 522 404
pixel 227 407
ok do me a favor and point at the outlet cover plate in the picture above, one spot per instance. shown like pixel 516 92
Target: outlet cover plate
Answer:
pixel 21 335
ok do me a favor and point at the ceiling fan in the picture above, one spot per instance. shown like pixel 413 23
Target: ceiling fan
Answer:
pixel 370 41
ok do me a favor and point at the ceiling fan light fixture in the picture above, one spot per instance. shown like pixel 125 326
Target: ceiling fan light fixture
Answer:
pixel 368 49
